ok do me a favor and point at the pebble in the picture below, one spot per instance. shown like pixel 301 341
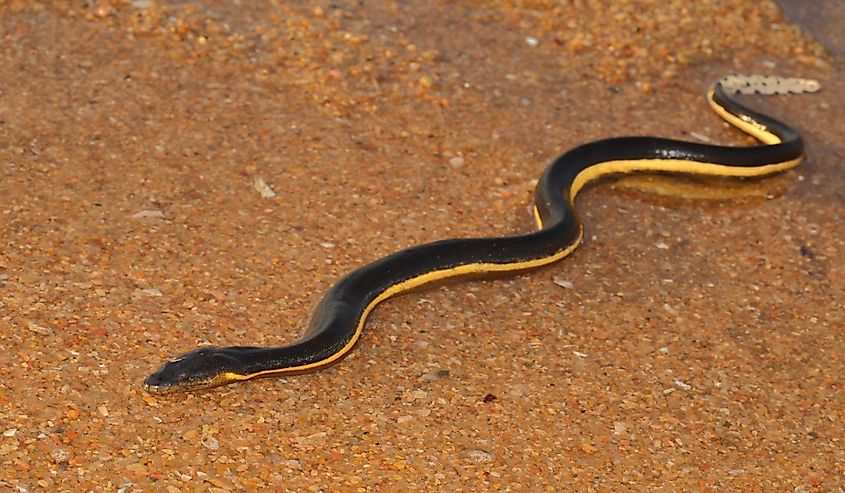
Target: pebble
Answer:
pixel 682 385
pixel 210 442
pixel 59 455
pixel 137 468
pixel 148 213
pixel 263 188
pixel 44 331
pixel 563 283
pixel 479 456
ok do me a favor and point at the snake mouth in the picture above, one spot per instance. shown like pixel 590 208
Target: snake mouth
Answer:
pixel 158 390
pixel 154 385
pixel 157 384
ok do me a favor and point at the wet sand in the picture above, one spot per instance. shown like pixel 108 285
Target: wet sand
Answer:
pixel 694 342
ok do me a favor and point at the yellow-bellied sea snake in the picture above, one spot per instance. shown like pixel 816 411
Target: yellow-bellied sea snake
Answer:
pixel 339 319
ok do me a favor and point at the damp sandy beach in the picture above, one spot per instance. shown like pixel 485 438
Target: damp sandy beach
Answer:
pixel 174 174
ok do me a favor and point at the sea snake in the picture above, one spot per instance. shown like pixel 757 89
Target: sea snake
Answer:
pixel 339 318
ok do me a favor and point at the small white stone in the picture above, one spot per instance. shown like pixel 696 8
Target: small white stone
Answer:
pixel 263 188
pixel 563 283
pixel 619 428
pixel 147 213
pixel 151 292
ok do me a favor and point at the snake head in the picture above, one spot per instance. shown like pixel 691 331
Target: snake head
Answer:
pixel 198 369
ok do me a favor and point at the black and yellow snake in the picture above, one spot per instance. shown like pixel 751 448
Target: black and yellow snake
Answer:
pixel 339 318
